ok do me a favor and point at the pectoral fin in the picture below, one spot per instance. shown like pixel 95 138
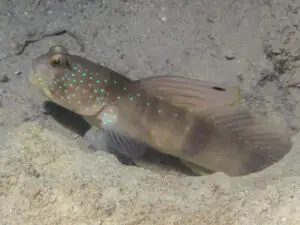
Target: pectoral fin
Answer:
pixel 126 146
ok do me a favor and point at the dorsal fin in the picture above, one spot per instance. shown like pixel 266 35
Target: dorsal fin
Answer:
pixel 192 94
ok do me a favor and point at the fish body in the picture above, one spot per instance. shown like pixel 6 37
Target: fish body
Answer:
pixel 199 122
pixel 225 138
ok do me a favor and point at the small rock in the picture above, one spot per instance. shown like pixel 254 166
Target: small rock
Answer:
pixel 3 54
pixel 240 77
pixel 276 47
pixel 75 136
pixel 26 117
pixel 17 48
pixel 229 55
pixel 4 78
pixel 18 72
pixel 210 19
pixel 95 34
pixel 293 9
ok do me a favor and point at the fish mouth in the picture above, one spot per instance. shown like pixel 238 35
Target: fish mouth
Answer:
pixel 35 84
pixel 33 80
pixel 31 74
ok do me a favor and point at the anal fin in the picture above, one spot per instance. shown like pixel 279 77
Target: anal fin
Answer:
pixel 192 94
pixel 198 170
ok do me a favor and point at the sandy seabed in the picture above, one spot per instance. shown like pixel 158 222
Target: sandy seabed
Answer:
pixel 46 177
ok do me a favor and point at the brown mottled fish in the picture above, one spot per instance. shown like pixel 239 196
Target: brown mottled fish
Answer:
pixel 199 122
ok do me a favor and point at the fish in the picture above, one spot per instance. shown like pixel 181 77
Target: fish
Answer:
pixel 203 123
pixel 83 87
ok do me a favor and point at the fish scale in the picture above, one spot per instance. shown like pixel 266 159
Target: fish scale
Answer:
pixel 200 122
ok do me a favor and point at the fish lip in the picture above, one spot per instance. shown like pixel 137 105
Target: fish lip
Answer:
pixel 45 92
pixel 31 74
pixel 31 78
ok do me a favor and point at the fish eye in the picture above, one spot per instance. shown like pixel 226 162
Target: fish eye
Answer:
pixel 58 60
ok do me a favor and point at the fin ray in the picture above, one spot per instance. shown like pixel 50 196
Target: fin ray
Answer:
pixel 193 94
pixel 126 146
pixel 242 143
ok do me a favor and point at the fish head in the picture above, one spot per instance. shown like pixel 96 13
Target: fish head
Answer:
pixel 47 69
pixel 67 80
